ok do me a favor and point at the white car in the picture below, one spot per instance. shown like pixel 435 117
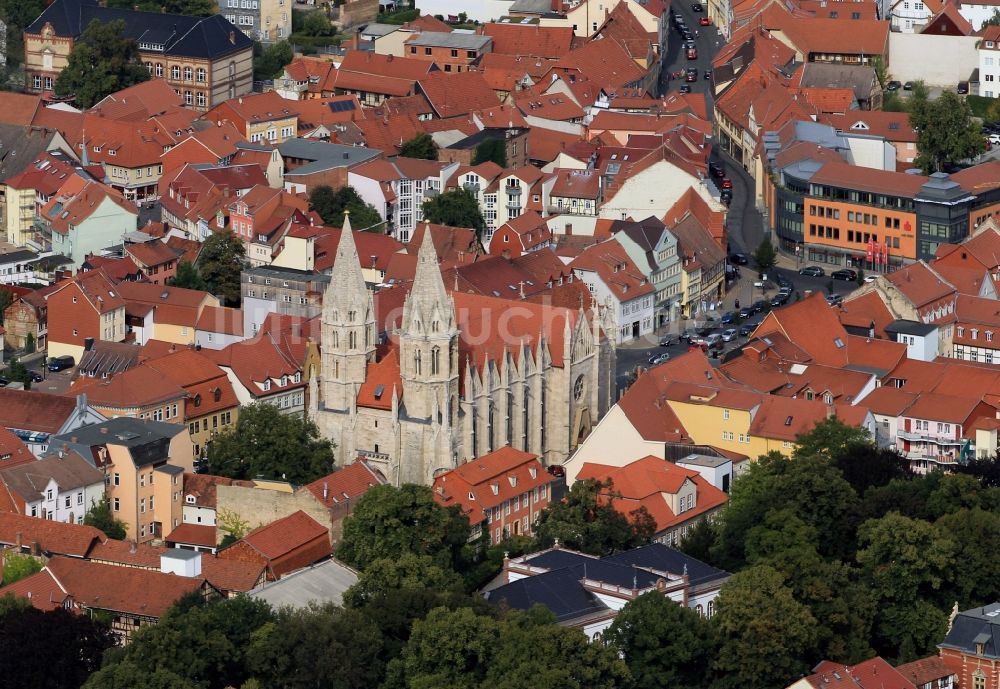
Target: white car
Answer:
pixel 729 334
pixel 994 139
pixel 871 278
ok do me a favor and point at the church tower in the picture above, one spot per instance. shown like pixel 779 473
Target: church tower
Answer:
pixel 428 343
pixel 348 334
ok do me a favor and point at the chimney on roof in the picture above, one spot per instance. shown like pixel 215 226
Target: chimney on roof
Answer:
pixel 232 37
pixel 388 58
pixel 326 490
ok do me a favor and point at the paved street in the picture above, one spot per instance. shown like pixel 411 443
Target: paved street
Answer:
pixel 708 42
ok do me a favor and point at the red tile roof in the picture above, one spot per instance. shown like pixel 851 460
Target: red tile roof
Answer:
pixel 921 284
pixel 203 487
pixel 13 451
pixel 345 484
pixel 615 269
pixel 925 670
pixel 221 319
pixel 530 39
pixel 193 534
pixel 457 93
pixel 812 325
pixel 74 540
pixel 34 411
pixel 865 311
pixel 128 590
pixel 894 126
pixel 647 482
pixel 485 482
pixel 285 535
pixel 871 674
pixel 383 377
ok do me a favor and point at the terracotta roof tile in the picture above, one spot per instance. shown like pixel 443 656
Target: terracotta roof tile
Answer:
pixel 13 451
pixel 457 93
pixel 530 39
pixel 203 487
pixel 194 534
pixel 615 269
pixel 73 540
pixel 345 484
pixel 871 674
pixel 925 670
pixel 285 535
pixel 486 482
pixel 34 411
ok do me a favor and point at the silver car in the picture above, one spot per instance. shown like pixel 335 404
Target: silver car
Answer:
pixel 729 334
pixel 713 339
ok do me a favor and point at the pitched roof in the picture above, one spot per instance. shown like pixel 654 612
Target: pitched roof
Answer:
pixel 920 283
pixel 812 325
pixel 457 93
pixel 530 39
pixel 976 627
pixel 69 470
pixel 203 487
pixel 875 673
pixel 195 534
pixel 13 451
pixel 482 483
pixel 284 535
pixel 647 482
pixel 345 484
pixel 925 670
pixel 58 538
pixel 34 411
pixel 615 268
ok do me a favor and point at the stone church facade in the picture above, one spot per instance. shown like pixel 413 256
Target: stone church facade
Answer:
pixel 462 374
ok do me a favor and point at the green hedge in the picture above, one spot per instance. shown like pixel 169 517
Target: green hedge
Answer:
pixel 979 104
pixel 399 17
pixel 305 41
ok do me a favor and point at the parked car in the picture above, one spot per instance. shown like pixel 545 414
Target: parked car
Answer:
pixel 684 89
pixel 686 335
pixel 727 317
pixel 658 359
pixel 708 75
pixel 847 274
pixel 963 88
pixel 61 363
pixel 688 36
pixel 696 7
pixel 780 299
pixel 747 328
pixel 892 86
pixel 746 312
pixel 729 334
pixel 908 86
pixel 726 196
pixel 993 138
pixel 35 376
pixel 727 183
pixel 704 21
pixel 703 329
pixel 713 339
pixel 834 299
pixel 691 76
pixel 739 259
pixel 759 306
pixel 692 53
pixel 4 382
pixel 812 271
pixel 669 340
pixel 716 170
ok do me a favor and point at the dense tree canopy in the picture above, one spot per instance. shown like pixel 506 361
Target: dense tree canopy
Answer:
pixel 764 256
pixel 331 206
pixel 586 520
pixel 491 150
pixel 663 644
pixel 456 208
pixel 946 132
pixel 56 649
pixel 264 442
pixel 269 61
pixel 101 62
pixel 388 522
pixel 189 277
pixel 220 264
pixel 420 146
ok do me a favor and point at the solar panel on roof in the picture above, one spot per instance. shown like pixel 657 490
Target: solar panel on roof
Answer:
pixel 342 106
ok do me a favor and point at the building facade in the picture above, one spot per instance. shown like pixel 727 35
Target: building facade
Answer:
pixel 447 391
pixel 266 21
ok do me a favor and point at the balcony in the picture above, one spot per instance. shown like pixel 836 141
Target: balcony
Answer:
pixel 377 456
pixel 926 438
pixel 471 186
pixel 513 191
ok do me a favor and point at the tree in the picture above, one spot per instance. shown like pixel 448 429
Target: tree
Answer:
pixel 586 520
pixel 420 146
pixel 407 571
pixel 129 675
pixel 331 206
pixel 830 437
pixel 205 644
pixel 317 647
pixel 29 343
pixel 101 62
pixel 17 567
pixel 220 264
pixel 265 442
pixel 904 562
pixel 271 60
pixel 992 21
pixel 191 8
pixel 699 540
pixel 946 132
pixel 17 371
pixel 975 534
pixel 494 150
pixel 809 487
pixel 854 452
pixel 317 24
pixel 663 643
pixel 764 256
pixel 54 649
pixel 766 634
pixel 101 517
pixel 188 277
pixel 456 208
pixel 388 522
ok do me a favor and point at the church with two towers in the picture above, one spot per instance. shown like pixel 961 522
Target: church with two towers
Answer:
pixel 459 375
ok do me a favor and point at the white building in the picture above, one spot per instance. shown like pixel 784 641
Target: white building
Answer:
pixel 908 15
pixel 60 487
pixel 397 189
pixel 616 282
pixel 989 61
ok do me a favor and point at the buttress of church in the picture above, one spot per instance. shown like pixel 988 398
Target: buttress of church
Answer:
pixel 461 374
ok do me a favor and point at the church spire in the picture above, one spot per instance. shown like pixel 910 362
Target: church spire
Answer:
pixel 428 299
pixel 347 284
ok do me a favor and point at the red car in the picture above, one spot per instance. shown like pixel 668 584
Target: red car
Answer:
pixel 727 183
pixel 704 21
pixel 692 53
pixel 693 76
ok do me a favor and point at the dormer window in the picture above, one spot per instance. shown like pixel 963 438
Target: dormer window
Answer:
pixel 513 481
pixel 298 376
pixel 533 472
pixel 190 499
pixel 495 487
pixel 472 496
pixel 267 385
pixel 284 381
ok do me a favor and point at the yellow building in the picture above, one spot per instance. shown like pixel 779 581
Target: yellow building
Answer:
pixel 264 117
pixel 144 463
pixel 168 314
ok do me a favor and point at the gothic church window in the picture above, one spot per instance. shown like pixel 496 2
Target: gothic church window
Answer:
pixel 416 362
pixel 352 340
pixel 435 359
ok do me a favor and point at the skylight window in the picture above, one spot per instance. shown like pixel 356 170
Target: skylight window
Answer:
pixel 838 343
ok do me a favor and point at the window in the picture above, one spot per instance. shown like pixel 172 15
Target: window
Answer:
pixel 188 98
pixel 79 498
pixel 117 479
pixel 175 72
pixel 725 415
pixel 200 74
pixel 978 677
pixel 116 504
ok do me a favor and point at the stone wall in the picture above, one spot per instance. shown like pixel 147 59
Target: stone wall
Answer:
pixel 259 506
pixel 954 58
